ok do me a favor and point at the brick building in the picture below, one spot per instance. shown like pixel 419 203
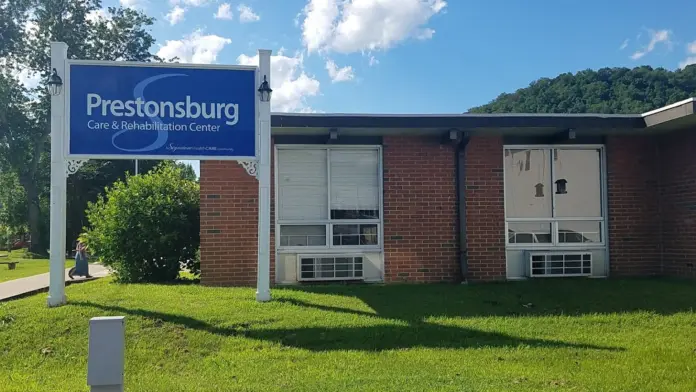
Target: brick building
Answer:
pixel 463 197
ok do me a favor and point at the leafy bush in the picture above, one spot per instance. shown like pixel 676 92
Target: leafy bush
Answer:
pixel 147 228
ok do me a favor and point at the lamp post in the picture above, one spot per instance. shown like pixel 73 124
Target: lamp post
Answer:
pixel 56 289
pixel 263 282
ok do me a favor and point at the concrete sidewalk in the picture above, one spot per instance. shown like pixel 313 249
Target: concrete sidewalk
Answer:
pixel 37 283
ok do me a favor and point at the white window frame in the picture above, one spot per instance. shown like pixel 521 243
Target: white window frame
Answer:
pixel 329 223
pixel 554 221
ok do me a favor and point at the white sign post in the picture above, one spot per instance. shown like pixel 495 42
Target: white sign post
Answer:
pixel 56 289
pixel 84 126
pixel 263 290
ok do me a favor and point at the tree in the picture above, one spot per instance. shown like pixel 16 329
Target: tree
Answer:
pixel 187 171
pixel 608 90
pixel 89 183
pixel 13 201
pixel 12 19
pixel 24 119
pixel 148 226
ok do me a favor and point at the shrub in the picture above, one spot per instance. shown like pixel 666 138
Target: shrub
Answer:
pixel 147 228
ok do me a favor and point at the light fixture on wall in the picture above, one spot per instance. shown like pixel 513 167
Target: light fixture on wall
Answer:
pixel 55 83
pixel 265 90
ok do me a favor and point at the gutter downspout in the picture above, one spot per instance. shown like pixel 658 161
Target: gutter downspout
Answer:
pixel 460 181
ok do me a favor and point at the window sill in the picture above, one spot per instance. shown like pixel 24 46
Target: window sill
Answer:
pixel 322 250
pixel 555 247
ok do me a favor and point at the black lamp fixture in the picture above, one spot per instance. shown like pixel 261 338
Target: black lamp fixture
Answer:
pixel 265 90
pixel 561 186
pixel 55 83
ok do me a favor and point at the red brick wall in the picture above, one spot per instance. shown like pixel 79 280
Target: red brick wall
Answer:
pixel 634 216
pixel 485 208
pixel 229 229
pixel 677 172
pixel 652 211
pixel 420 211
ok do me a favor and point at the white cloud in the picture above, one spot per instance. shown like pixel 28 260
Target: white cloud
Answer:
pixel 656 37
pixel 318 25
pixel 425 34
pixel 192 3
pixel 358 25
pixel 373 61
pixel 624 45
pixel 132 3
pixel 224 11
pixel 194 48
pixel 691 48
pixel 290 83
pixel 337 74
pixel 246 14
pixel 176 15
pixel 691 59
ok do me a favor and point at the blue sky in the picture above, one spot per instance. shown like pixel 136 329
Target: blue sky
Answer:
pixel 419 56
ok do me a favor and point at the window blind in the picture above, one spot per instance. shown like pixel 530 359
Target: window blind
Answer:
pixel 354 179
pixel 302 185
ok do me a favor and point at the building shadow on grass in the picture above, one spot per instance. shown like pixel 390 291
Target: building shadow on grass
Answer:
pixel 419 316
pixel 366 338
pixel 568 297
pixel 393 337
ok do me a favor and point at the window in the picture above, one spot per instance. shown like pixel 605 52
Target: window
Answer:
pixel 529 233
pixel 553 196
pixel 328 196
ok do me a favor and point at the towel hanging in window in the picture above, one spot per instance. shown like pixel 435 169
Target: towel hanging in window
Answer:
pixel 539 190
pixel 561 188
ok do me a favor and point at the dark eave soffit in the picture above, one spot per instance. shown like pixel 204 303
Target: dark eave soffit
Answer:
pixel 463 121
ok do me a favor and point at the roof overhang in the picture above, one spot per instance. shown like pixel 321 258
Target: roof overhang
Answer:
pixel 680 115
pixel 507 123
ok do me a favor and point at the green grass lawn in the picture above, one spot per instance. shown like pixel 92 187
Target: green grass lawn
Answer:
pixel 26 267
pixel 555 335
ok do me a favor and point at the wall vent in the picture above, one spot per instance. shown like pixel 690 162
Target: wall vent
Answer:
pixel 559 264
pixel 329 267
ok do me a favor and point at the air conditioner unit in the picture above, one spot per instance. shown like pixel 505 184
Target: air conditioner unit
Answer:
pixel 559 264
pixel 329 267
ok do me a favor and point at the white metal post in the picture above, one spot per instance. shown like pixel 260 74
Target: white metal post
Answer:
pixel 56 290
pixel 136 167
pixel 263 290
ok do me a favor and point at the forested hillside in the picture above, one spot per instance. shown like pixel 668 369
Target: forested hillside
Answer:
pixel 608 90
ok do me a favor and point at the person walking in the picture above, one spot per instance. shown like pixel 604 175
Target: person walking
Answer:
pixel 81 267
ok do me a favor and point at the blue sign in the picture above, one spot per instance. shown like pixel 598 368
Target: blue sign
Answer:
pixel 131 111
